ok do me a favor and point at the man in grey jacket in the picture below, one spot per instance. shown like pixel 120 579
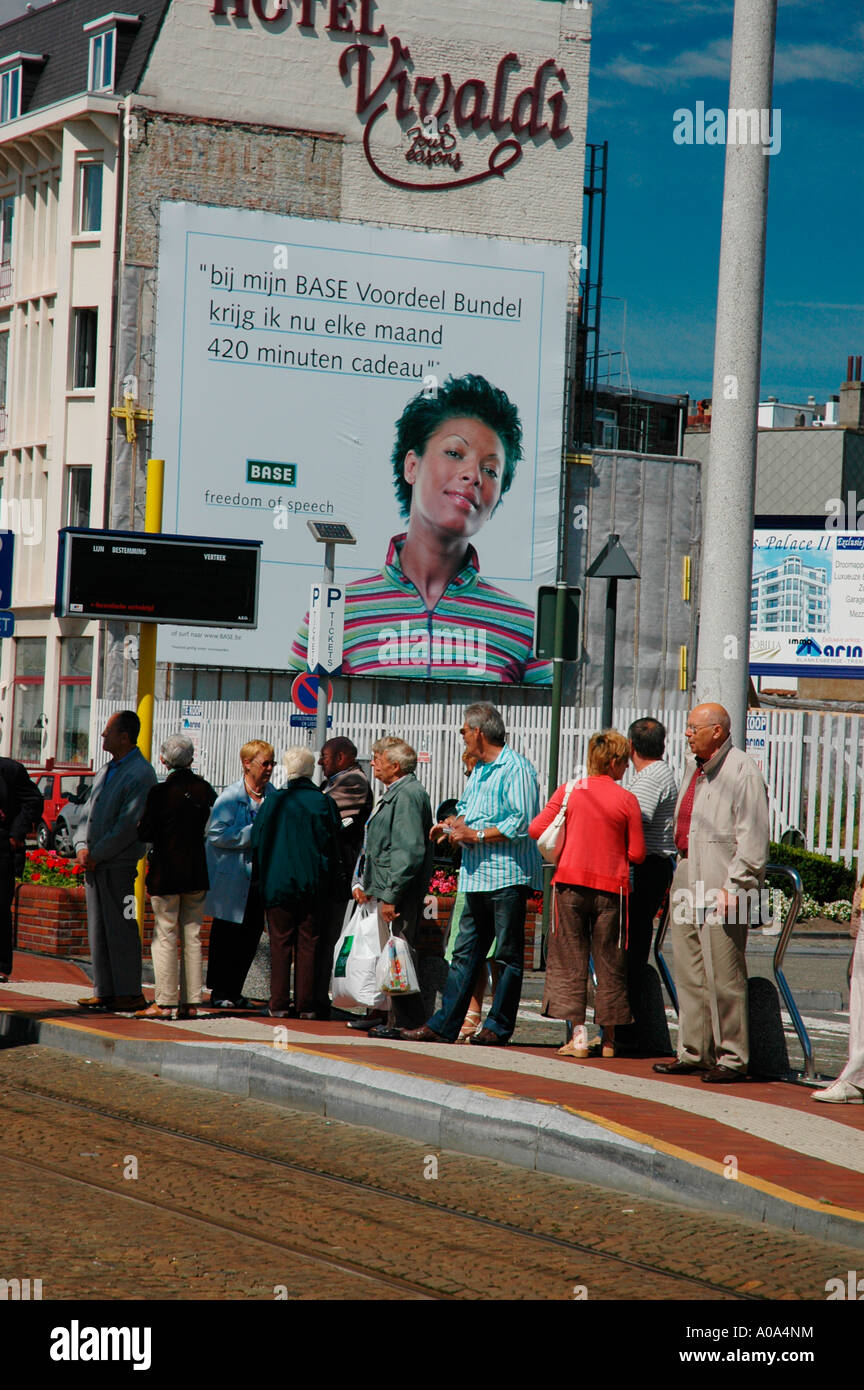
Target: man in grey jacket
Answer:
pixel 109 849
pixel 721 833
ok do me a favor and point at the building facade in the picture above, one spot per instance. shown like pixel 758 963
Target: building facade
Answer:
pixel 456 119
pixel 791 597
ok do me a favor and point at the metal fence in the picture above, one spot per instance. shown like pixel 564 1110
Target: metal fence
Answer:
pixel 815 767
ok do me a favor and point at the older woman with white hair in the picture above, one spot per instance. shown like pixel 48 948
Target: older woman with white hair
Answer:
pixel 295 842
pixel 174 820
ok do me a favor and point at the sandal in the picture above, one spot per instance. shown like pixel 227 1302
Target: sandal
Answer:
pixel 154 1011
pixel 578 1045
pixel 469 1027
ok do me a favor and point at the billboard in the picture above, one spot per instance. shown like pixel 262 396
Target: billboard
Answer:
pixel 408 384
pixel 806 599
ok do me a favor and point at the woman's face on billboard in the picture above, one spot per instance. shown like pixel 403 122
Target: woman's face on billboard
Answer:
pixel 457 479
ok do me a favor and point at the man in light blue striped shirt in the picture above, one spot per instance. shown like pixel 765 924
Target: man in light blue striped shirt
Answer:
pixel 500 865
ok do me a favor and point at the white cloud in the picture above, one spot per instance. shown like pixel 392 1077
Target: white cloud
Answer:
pixel 810 62
pixel 818 62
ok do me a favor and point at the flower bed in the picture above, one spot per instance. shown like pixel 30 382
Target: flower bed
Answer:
pixel 50 909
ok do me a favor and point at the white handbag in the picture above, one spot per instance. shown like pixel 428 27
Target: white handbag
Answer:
pixel 551 842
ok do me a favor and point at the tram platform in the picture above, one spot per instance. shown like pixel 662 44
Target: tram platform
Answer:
pixel 762 1150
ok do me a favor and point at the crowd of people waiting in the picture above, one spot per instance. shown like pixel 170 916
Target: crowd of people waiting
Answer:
pixel 293 858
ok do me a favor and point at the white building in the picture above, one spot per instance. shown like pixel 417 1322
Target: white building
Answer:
pixel 790 597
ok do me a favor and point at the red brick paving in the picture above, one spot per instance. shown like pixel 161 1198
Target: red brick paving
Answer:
pixel 768 1162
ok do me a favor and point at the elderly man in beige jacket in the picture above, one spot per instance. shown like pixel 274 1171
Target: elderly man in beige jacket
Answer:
pixel 721 833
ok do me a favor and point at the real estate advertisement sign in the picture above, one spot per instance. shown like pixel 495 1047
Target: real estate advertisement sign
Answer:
pixel 807 599
pixel 408 384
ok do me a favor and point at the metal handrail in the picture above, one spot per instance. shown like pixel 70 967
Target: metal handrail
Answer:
pixel 777 964
pixel 659 958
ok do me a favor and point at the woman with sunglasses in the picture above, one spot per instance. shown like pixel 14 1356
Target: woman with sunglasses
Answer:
pixel 233 900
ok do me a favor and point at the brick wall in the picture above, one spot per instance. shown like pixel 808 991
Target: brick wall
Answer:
pixel 227 164
pixel 53 922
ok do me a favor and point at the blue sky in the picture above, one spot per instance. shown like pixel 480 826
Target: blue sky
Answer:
pixel 651 57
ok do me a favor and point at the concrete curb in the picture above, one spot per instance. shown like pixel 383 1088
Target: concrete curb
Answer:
pixel 527 1134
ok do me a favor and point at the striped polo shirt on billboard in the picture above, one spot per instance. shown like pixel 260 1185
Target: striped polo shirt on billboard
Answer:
pixel 503 793
pixel 474 632
pixel 656 791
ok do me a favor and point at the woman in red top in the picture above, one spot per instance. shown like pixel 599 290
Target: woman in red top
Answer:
pixel 592 881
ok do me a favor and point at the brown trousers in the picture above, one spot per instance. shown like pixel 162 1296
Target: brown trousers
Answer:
pixel 587 923
pixel 294 931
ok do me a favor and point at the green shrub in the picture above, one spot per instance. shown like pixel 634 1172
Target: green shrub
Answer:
pixel 823 878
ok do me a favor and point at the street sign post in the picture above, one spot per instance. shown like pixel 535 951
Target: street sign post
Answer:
pixel 326 617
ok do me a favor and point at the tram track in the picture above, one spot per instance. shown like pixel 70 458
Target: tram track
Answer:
pixel 681 1284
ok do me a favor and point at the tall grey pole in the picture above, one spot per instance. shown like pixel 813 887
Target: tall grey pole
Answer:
pixel 722 669
pixel 324 681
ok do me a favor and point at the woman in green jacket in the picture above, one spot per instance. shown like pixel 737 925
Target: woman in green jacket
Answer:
pixel 295 840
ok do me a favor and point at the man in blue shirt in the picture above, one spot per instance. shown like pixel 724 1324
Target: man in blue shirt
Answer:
pixel 500 865
pixel 109 849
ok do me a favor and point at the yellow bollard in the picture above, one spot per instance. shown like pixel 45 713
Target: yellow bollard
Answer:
pixel 147 658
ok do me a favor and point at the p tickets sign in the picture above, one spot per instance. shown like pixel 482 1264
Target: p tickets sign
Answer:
pixel 326 624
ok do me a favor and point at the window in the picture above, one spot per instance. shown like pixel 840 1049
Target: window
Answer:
pixel 10 95
pixel 28 720
pixel 73 710
pixel 77 508
pixel 84 349
pixel 90 199
pixel 102 61
pixel 7 217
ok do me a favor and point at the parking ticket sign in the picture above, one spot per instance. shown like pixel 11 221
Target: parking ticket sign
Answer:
pixel 326 623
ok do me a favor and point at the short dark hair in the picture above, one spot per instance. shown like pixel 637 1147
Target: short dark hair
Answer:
pixel 341 745
pixel 128 723
pixel 648 737
pixel 470 396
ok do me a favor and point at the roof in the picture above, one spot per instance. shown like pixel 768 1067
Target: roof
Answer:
pixel 57 31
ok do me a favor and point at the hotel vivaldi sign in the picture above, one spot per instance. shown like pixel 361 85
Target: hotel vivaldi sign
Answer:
pixel 439 114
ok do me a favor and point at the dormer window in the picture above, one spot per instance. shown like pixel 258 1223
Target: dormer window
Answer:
pixel 18 72
pixel 102 62
pixel 10 95
pixel 103 48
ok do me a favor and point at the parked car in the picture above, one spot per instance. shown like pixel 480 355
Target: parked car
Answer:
pixel 65 796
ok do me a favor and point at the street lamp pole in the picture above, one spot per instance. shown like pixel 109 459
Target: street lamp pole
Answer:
pixel 722 670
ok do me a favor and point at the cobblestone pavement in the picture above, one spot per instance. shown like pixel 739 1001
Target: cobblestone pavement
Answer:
pixel 237 1225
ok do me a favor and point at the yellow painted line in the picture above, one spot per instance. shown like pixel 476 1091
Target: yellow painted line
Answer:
pixel 709 1165
pixel 70 1023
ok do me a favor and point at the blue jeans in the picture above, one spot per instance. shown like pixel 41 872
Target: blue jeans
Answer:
pixel 499 915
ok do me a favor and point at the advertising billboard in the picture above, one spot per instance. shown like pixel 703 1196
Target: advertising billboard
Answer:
pixel 409 384
pixel 806 599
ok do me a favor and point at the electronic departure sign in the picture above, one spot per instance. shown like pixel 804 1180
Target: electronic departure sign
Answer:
pixel 136 576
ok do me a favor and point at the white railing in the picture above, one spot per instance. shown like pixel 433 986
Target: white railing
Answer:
pixel 815 770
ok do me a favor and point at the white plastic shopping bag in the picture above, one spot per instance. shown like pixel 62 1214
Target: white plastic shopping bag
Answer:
pixel 395 973
pixel 352 982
